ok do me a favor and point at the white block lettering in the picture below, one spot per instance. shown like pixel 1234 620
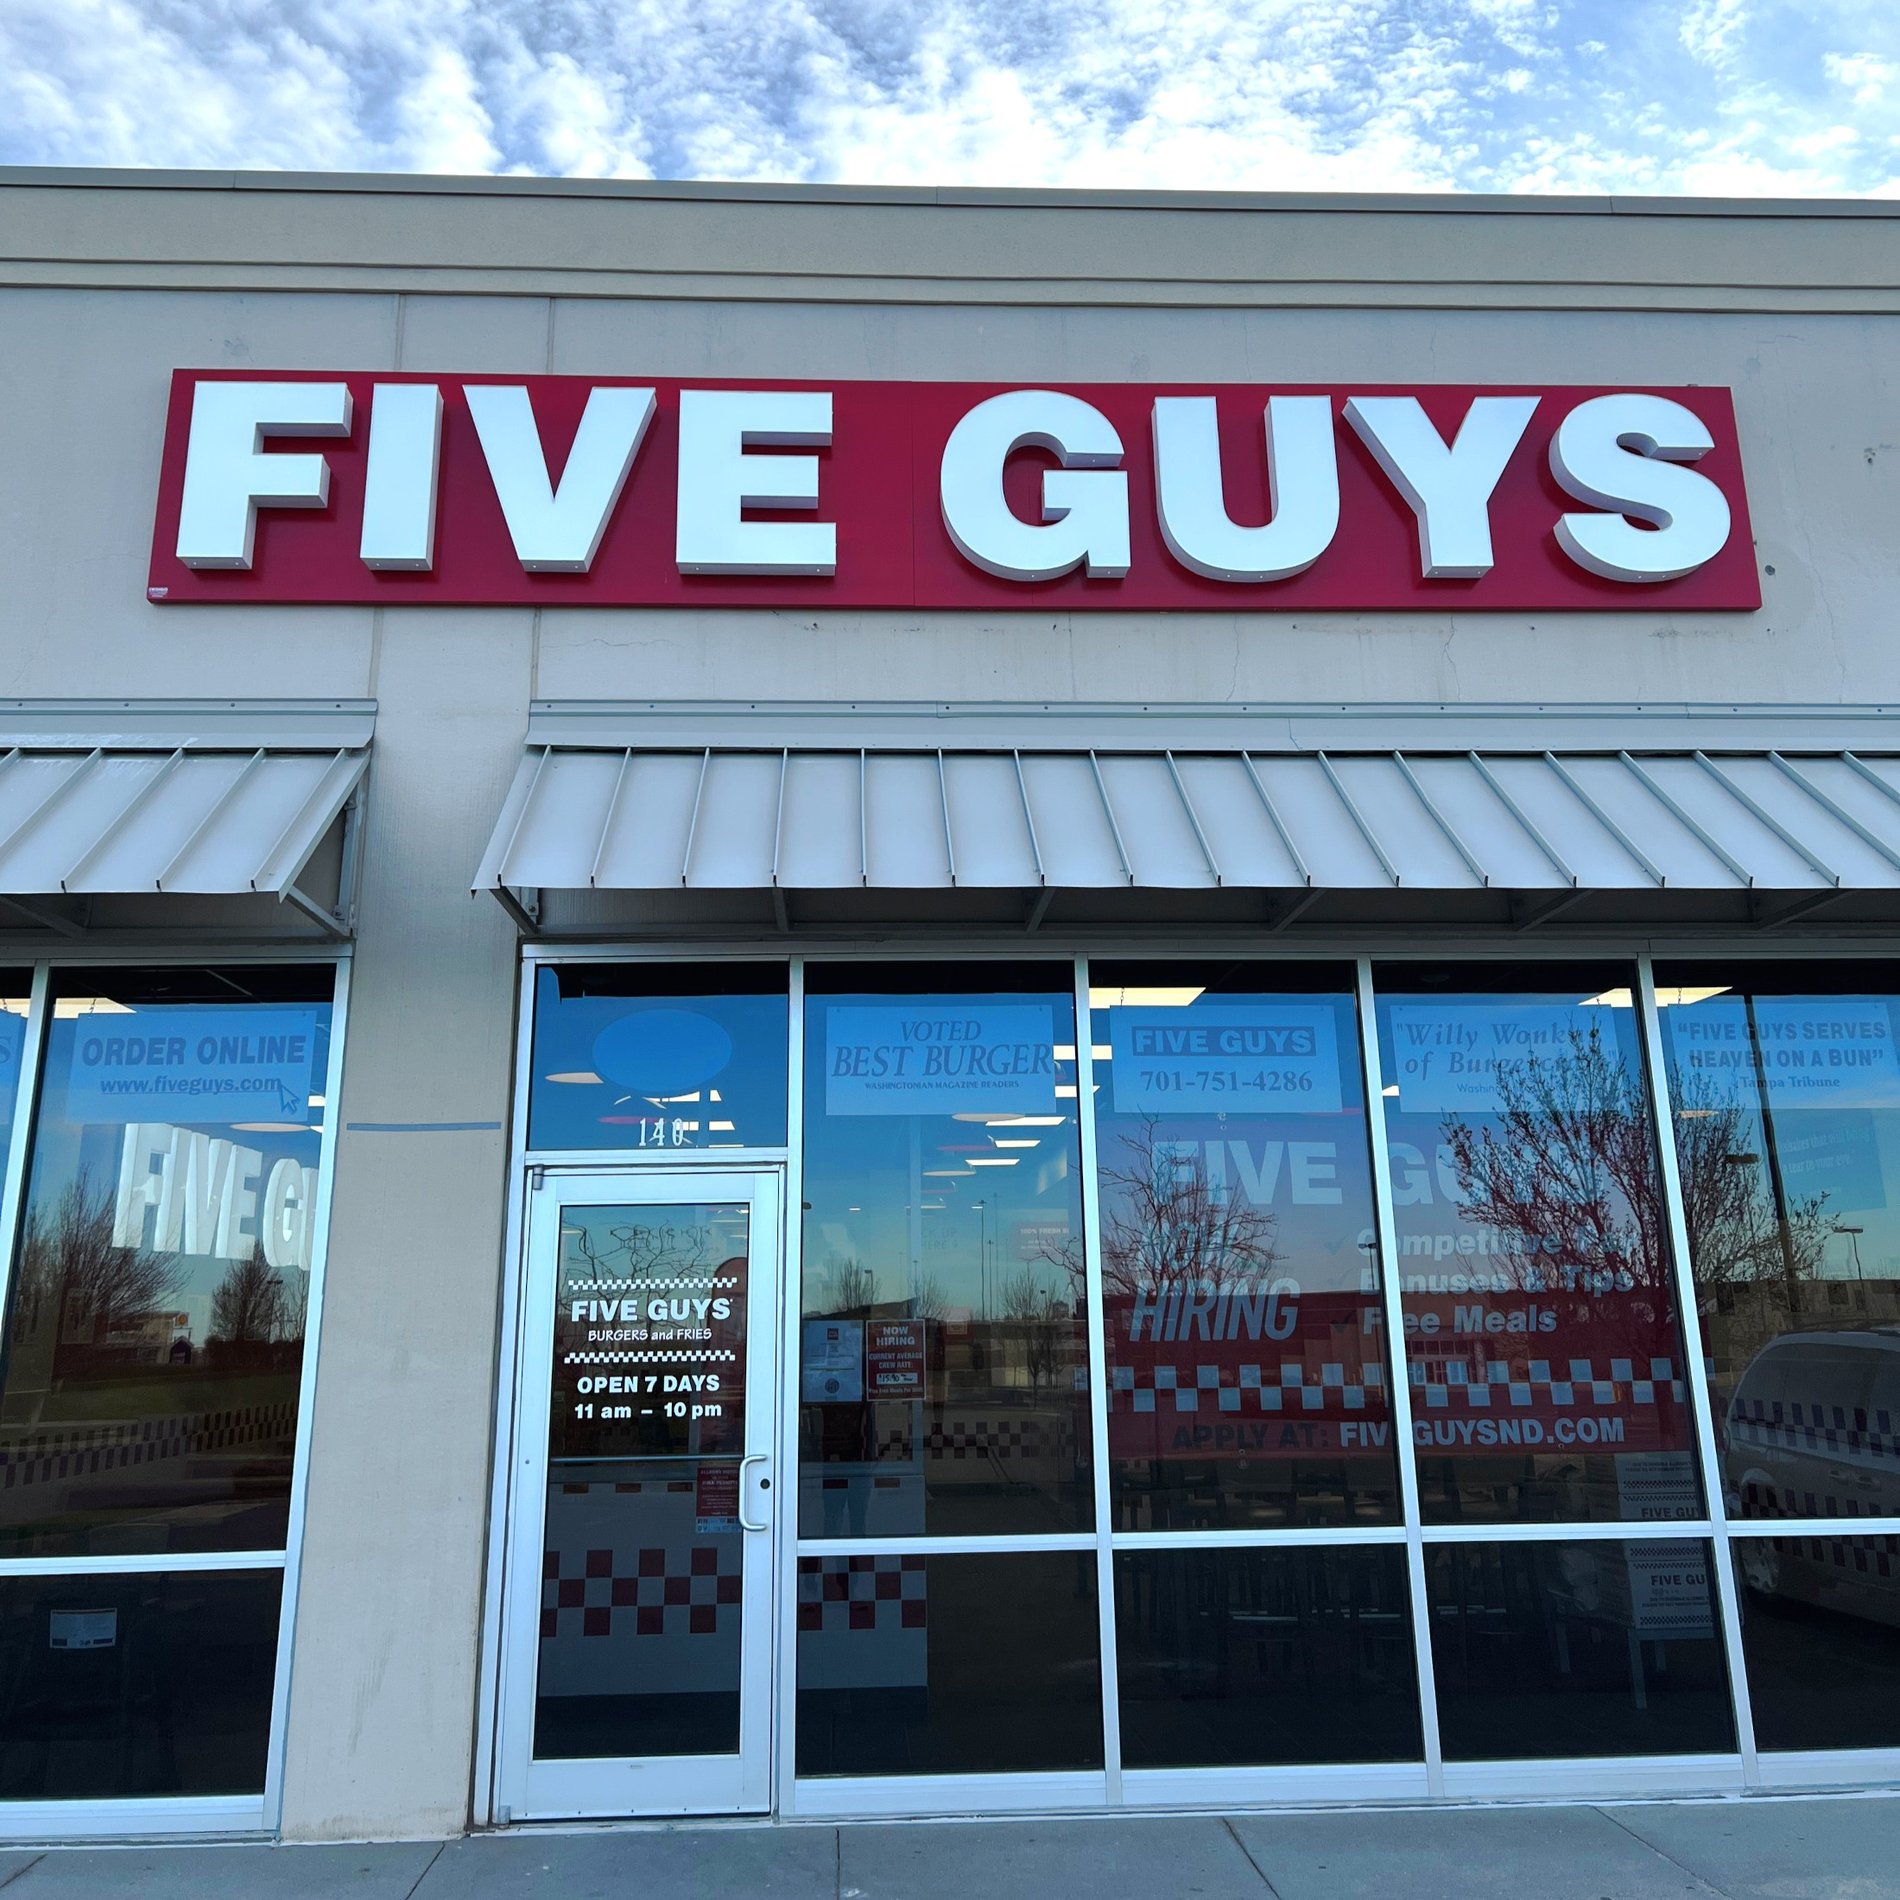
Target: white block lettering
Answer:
pixel 1449 489
pixel 1624 454
pixel 228 477
pixel 1084 502
pixel 558 529
pixel 399 490
pixel 718 478
pixel 1302 483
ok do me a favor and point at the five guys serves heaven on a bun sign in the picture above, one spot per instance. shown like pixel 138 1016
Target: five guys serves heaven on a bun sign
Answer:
pixel 347 487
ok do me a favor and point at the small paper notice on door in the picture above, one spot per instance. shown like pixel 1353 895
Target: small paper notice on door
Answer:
pixel 833 1371
pixel 82 1629
pixel 716 1498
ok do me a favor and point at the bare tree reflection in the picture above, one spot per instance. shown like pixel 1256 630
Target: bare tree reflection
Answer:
pixel 1735 1235
pixel 1564 1172
pixel 847 1288
pixel 74 1277
pixel 248 1305
pixel 1036 1315
pixel 644 1251
pixel 1168 1226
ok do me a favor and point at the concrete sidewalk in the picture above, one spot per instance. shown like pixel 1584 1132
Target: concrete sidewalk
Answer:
pixel 1832 1848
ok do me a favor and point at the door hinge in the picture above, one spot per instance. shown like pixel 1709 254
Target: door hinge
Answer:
pixel 537 1179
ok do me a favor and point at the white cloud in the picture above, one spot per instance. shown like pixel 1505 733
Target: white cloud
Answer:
pixel 1711 30
pixel 1778 96
pixel 1867 77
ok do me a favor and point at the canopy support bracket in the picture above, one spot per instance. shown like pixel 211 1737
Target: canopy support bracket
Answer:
pixel 1527 916
pixel 523 905
pixel 1283 911
pixel 61 922
pixel 324 918
pixel 338 922
pixel 1766 918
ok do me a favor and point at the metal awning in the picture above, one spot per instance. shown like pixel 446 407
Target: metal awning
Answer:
pixel 1661 809
pixel 143 800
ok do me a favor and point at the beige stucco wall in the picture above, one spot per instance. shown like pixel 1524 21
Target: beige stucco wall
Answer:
pixel 107 282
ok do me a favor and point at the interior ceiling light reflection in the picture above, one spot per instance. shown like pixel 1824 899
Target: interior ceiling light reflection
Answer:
pixel 1140 996
pixel 1666 998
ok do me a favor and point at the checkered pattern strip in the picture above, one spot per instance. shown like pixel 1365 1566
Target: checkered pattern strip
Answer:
pixel 683 1592
pixel 1572 1382
pixel 1765 1501
pixel 1007 1438
pixel 1865 1556
pixel 47 1457
pixel 1288 1387
pixel 841 1594
pixel 1837 1430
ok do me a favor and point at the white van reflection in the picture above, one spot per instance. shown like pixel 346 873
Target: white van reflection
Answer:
pixel 1813 1431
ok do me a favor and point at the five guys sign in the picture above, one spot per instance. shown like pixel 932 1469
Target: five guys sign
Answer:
pixel 580 491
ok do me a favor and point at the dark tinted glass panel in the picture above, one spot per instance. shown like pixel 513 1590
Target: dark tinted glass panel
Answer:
pixel 155 1339
pixel 656 1057
pixel 948 1665
pixel 132 1685
pixel 1230 1658
pixel 1540 1313
pixel 1785 1092
pixel 1575 1649
pixel 943 1383
pixel 1821 1639
pixel 1246 1339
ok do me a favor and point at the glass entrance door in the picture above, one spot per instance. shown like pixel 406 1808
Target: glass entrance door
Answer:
pixel 637 1675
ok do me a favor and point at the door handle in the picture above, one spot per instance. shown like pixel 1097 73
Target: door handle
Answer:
pixel 751 1458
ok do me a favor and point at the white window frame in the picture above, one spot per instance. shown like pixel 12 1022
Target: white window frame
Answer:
pixel 260 1814
pixel 1746 1770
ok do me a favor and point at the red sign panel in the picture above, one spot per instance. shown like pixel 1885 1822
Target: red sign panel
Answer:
pixel 1560 1374
pixel 879 480
pixel 894 1358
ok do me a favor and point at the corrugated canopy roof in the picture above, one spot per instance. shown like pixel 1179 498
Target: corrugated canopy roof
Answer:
pixel 146 800
pixel 1553 824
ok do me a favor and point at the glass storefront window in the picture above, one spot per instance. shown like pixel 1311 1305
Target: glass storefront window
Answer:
pixel 155 1331
pixel 1545 1349
pixel 1563 1650
pixel 1785 1093
pixel 980 1664
pixel 1821 1639
pixel 658 1057
pixel 117 1684
pixel 1240 1658
pixel 1246 1351
pixel 15 992
pixel 944 1359
pixel 943 1352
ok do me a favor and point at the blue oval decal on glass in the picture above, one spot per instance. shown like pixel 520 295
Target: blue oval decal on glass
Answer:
pixel 662 1051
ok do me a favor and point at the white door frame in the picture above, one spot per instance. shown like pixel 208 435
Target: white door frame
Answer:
pixel 653 1785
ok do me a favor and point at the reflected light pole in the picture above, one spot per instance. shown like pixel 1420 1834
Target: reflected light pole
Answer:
pixel 981 1210
pixel 1853 1240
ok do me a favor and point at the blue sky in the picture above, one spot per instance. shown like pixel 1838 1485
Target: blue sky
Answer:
pixel 1723 97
